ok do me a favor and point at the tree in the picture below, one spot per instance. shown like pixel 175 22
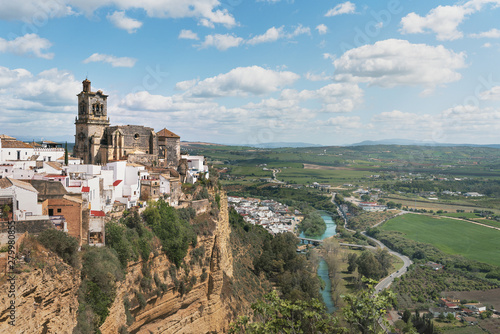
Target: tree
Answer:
pixel 384 259
pixel 450 317
pixel 66 154
pixel 365 310
pixel 352 261
pixel 365 198
pixel 5 211
pixel 368 265
pixel 276 315
pixel 406 315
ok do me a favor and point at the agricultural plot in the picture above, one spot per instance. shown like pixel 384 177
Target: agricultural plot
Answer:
pixel 450 236
pixel 435 205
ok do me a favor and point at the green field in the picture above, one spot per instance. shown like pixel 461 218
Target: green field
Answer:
pixel 449 235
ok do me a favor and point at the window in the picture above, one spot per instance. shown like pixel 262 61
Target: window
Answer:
pixel 51 212
pixel 59 210
pixel 136 136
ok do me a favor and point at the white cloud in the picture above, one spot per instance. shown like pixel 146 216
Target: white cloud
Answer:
pixel 42 103
pixel 329 56
pixel 459 124
pixel 493 33
pixel 317 77
pixel 114 61
pixel 271 35
pixel 443 20
pixel 342 8
pixel 187 34
pixel 340 97
pixel 242 81
pixel 203 10
pixel 492 94
pixel 120 20
pixel 333 98
pixel 185 85
pixel 27 44
pixel 29 10
pixel 50 87
pixel 322 29
pixel 487 45
pixel 221 42
pixel 394 62
pixel 345 122
pixel 300 30
pixel 9 77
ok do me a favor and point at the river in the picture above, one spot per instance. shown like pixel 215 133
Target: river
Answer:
pixel 331 230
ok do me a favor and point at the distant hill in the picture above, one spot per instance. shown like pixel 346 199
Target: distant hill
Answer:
pixel 416 143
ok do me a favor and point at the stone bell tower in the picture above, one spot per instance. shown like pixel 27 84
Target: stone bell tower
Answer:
pixel 90 125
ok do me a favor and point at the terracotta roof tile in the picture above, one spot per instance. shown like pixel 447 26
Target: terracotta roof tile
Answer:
pixel 5 183
pixel 23 185
pixel 167 133
pixel 97 213
pixel 117 182
pixel 55 165
pixel 85 189
pixel 15 144
pixel 5 137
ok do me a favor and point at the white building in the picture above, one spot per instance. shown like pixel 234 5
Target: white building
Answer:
pixel 14 150
pixel 196 167
pixel 23 199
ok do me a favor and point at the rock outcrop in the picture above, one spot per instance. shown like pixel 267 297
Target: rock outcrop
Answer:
pixel 46 291
pixel 204 308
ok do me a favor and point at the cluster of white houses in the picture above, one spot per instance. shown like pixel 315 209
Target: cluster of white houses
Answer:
pixel 273 216
pixel 113 168
pixel 36 186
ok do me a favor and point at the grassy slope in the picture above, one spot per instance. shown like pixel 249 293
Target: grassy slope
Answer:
pixel 451 236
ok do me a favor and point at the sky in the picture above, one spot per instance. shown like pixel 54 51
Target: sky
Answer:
pixel 256 71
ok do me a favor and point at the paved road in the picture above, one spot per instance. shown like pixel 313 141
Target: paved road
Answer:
pixel 386 282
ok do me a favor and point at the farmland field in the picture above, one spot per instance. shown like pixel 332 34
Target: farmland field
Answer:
pixel 450 236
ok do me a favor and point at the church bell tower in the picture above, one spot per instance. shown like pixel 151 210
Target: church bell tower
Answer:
pixel 91 123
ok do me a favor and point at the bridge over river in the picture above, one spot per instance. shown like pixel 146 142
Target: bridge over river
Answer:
pixel 317 242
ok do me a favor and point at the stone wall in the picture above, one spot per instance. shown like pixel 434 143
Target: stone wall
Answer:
pixel 30 226
pixel 173 152
pixel 200 206
pixel 143 159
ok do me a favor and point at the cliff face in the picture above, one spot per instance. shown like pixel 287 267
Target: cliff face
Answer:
pixel 46 296
pixel 203 307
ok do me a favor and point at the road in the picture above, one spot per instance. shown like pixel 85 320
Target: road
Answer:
pixel 387 281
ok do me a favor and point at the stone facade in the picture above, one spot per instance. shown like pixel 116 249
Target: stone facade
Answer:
pixel 96 142
pixel 169 148
pixel 90 124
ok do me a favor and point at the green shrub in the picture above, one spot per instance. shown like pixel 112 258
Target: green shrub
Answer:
pixel 64 245
pixel 175 234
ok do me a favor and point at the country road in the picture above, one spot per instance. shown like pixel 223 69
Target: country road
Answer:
pixel 387 281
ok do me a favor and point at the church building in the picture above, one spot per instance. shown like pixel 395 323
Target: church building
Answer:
pixel 96 142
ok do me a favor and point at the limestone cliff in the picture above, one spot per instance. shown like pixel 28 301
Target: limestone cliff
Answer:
pixel 46 295
pixel 203 308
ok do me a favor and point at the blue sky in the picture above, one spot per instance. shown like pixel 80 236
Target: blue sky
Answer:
pixel 248 72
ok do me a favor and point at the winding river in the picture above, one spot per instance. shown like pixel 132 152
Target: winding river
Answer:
pixel 323 268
